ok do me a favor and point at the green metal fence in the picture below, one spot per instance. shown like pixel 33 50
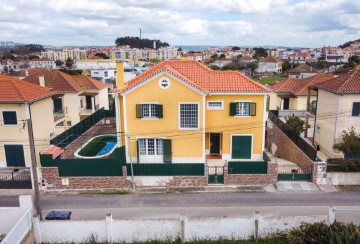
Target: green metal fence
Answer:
pixel 167 169
pixel 248 167
pixel 75 131
pixel 111 166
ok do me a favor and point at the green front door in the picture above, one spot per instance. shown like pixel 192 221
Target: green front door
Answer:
pixel 14 155
pixel 241 147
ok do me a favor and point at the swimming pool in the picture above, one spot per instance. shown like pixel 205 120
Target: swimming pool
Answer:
pixel 97 147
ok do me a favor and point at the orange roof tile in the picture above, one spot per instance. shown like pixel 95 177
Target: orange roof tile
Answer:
pixel 22 73
pixel 201 77
pixel 348 83
pixel 88 83
pixel 20 91
pixel 299 86
pixel 57 81
pixel 271 59
pixel 53 150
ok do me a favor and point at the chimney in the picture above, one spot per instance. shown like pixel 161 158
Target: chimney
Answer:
pixel 120 76
pixel 26 73
pixel 42 80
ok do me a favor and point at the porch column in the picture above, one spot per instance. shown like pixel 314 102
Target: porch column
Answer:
pixel 93 104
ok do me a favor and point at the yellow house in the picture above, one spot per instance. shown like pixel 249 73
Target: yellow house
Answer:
pixel 183 112
pixel 21 101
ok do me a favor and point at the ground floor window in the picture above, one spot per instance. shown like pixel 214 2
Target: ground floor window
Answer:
pixel 150 146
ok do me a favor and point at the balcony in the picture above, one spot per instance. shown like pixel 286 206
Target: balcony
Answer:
pixel 88 111
pixel 59 114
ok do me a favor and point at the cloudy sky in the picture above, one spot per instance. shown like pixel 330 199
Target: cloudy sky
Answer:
pixel 304 23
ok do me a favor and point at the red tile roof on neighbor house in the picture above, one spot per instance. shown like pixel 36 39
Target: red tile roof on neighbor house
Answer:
pixel 348 83
pixel 271 59
pixel 57 81
pixel 201 77
pixel 19 91
pixel 303 68
pixel 88 83
pixel 299 87
pixel 22 73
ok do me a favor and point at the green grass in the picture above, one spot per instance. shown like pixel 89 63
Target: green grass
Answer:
pixel 94 146
pixel 267 80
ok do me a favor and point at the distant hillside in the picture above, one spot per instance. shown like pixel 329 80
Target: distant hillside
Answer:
pixel 347 44
pixel 136 42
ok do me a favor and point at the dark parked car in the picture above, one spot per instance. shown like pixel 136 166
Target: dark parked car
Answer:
pixel 58 215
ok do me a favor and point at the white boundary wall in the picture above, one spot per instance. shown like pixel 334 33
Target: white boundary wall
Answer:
pixel 127 231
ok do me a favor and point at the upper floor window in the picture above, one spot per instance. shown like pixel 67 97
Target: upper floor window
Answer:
pixel 189 115
pixel 215 105
pixel 243 109
pixel 149 110
pixel 106 74
pixel 9 118
pixel 356 109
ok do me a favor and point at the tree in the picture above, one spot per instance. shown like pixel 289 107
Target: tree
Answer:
pixel 229 66
pixel 222 56
pixel 286 66
pixel 295 124
pixel 102 55
pixel 348 142
pixel 214 57
pixel 260 52
pixel 214 67
pixel 69 63
pixel 59 62
pixel 154 60
pixel 72 71
pixel 253 66
pixel 136 42
pixel 6 69
pixel 33 57
pixel 180 49
pixel 235 48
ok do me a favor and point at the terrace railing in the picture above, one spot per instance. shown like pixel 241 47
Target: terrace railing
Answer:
pixel 308 149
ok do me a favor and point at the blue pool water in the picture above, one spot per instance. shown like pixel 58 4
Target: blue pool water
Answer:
pixel 107 148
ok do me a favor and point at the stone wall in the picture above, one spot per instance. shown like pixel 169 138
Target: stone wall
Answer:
pixel 51 175
pixel 188 181
pixel 282 146
pixel 252 179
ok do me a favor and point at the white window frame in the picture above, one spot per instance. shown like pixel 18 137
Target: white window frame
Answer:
pixel 352 108
pixel 242 116
pixel 2 117
pixel 151 158
pixel 149 117
pixel 198 116
pixel 215 108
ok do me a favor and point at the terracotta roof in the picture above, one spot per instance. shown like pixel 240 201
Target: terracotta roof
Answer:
pixel 20 91
pixel 40 60
pixel 348 83
pixel 303 68
pixel 57 81
pixel 88 83
pixel 299 86
pixel 53 150
pixel 271 59
pixel 200 77
pixel 22 73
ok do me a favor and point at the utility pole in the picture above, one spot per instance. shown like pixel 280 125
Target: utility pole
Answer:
pixel 33 161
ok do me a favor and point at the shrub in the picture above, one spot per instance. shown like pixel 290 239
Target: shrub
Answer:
pixel 343 165
pixel 295 124
pixel 323 233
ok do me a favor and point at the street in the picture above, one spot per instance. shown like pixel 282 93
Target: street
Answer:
pixel 195 204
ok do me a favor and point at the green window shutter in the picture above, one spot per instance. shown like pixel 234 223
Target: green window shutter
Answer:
pixel 356 109
pixel 139 111
pixel 167 151
pixel 159 110
pixel 9 118
pixel 137 151
pixel 232 109
pixel 252 109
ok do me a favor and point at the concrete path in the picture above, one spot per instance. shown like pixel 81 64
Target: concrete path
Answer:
pixel 296 186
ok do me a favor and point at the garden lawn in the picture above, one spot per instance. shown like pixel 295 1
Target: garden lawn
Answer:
pixel 267 80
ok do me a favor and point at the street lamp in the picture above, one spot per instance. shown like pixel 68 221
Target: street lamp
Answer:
pixel 128 134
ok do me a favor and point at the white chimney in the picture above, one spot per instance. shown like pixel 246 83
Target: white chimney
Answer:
pixel 26 73
pixel 42 80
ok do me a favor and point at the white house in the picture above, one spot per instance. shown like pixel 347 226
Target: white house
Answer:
pixel 270 64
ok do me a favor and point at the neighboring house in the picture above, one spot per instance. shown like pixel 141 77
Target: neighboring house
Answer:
pixel 302 71
pixel 270 64
pixel 22 74
pixel 338 109
pixel 246 60
pixel 20 101
pixel 75 96
pixel 104 75
pixel 193 56
pixel 42 63
pixel 221 62
pixel 291 94
pixel 183 112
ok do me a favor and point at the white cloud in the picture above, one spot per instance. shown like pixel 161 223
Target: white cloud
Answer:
pixel 215 22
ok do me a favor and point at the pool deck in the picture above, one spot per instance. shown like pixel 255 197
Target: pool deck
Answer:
pixel 99 129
